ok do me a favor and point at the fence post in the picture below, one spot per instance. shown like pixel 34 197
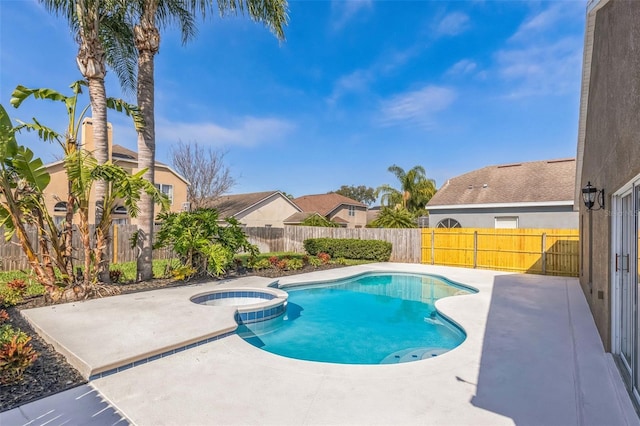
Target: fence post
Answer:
pixel 114 244
pixel 433 250
pixel 475 249
pixel 543 253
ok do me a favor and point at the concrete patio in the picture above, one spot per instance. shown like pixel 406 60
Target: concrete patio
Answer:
pixel 532 357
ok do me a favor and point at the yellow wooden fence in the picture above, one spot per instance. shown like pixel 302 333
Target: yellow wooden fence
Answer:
pixel 535 251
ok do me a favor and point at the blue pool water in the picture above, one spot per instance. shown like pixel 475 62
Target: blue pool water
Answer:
pixel 370 319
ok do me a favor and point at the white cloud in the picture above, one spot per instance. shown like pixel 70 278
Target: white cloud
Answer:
pixel 537 60
pixel 542 69
pixel 540 21
pixel 344 10
pixel 452 24
pixel 247 131
pixel 464 66
pixel 359 80
pixel 417 107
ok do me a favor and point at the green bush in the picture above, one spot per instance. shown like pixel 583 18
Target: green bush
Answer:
pixel 201 242
pixel 13 292
pixel 261 264
pixel 350 248
pixel 315 261
pixel 295 264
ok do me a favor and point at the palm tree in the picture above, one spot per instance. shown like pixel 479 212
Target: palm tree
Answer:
pixel 103 38
pixel 415 189
pixel 394 217
pixel 148 14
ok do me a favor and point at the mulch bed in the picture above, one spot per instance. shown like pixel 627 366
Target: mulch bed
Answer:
pixel 51 373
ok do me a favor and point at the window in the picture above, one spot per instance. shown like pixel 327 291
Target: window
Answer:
pixel 352 210
pixel 507 222
pixel 120 221
pixel 166 190
pixel 60 207
pixel 448 223
pixel 120 210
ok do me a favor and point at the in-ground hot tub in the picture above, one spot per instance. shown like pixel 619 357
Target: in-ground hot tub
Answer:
pixel 254 305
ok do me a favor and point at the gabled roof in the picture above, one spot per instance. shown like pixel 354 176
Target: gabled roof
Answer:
pixel 235 204
pixel 299 217
pixel 549 182
pixel 324 203
pixel 119 151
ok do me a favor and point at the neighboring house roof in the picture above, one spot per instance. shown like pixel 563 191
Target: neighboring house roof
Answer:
pixel 325 203
pixel 233 205
pixel 119 151
pixel 373 213
pixel 550 182
pixel 299 217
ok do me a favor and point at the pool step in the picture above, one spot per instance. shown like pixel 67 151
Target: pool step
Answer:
pixel 413 354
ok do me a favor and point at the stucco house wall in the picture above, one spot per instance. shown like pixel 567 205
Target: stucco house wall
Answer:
pixel 611 156
pixel 57 190
pixel 553 217
pixel 357 221
pixel 269 212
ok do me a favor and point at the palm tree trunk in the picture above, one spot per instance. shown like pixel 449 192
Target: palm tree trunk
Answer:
pixel 147 42
pixel 98 98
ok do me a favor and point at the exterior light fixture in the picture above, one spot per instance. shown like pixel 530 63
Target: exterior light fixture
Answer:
pixel 590 195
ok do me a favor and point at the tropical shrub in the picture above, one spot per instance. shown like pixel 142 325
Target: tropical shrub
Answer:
pixel 282 264
pixel 315 261
pixel 12 292
pixel 295 264
pixel 350 248
pixel 201 242
pixel 394 217
pixel 324 258
pixel 261 264
pixel 16 356
pixel 317 220
pixel 183 272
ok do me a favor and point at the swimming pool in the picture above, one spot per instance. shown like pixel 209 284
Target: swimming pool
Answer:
pixel 369 319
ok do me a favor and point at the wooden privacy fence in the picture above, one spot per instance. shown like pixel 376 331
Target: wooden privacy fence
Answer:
pixel 535 251
pixel 13 258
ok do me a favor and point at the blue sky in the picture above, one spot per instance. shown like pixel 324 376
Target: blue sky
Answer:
pixel 356 87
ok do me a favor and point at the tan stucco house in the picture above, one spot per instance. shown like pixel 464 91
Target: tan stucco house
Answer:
pixel 166 179
pixel 256 209
pixel 335 207
pixel 533 194
pixel 608 165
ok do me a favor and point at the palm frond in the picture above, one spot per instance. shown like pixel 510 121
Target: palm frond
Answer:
pixel 131 110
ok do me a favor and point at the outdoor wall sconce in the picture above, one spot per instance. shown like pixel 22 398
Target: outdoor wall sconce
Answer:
pixel 590 195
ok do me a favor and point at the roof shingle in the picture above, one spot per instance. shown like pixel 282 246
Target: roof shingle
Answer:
pixel 535 181
pixel 231 205
pixel 324 203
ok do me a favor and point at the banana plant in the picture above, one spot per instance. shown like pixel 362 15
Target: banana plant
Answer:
pixel 84 171
pixel 23 180
pixel 69 144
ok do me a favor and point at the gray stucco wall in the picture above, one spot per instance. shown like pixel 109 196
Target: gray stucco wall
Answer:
pixel 612 142
pixel 557 217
